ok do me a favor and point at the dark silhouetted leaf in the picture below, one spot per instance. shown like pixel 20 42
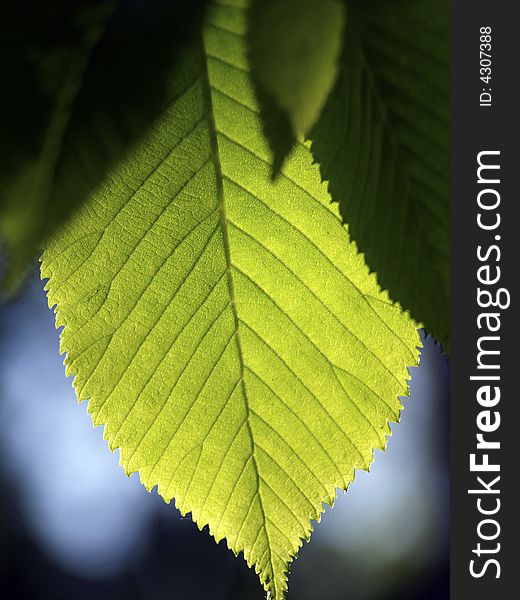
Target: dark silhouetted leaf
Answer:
pixel 383 145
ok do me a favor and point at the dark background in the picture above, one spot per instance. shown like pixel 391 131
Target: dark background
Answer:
pixel 73 526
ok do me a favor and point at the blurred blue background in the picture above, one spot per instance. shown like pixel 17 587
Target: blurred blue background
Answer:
pixel 73 526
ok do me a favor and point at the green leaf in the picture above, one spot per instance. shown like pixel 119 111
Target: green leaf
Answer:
pixel 225 330
pixel 294 49
pixel 95 74
pixel 383 145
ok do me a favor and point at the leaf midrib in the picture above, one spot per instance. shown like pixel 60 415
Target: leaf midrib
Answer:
pixel 219 177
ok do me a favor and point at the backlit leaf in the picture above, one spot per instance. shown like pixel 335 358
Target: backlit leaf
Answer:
pixel 221 324
pixel 294 49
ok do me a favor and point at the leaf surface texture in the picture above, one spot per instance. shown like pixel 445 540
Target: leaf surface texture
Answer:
pixel 224 328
